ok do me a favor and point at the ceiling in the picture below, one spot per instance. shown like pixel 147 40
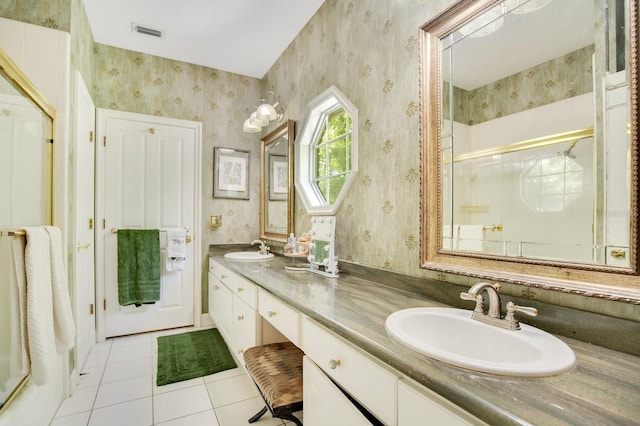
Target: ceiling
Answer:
pixel 239 36
pixel 523 41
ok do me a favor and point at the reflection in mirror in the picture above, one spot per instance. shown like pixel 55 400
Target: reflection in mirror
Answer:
pixel 26 156
pixel 528 112
pixel 276 189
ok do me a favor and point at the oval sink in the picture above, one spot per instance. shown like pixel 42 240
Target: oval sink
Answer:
pixel 248 256
pixel 451 336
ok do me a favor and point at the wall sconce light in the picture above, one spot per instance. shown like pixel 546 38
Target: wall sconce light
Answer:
pixel 263 115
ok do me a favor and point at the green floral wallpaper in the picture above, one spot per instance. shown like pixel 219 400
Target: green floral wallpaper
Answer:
pixel 521 91
pixel 50 13
pixel 370 51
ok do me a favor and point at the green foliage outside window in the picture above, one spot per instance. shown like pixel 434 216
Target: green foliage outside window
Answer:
pixel 332 153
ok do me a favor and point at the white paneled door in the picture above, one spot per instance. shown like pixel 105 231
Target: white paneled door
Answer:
pixel 84 192
pixel 148 178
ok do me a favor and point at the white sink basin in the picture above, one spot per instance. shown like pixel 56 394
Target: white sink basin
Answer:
pixel 248 256
pixel 451 336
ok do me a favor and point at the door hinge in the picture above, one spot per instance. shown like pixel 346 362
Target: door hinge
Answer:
pixel 50 140
pixel 104 140
pixel 104 304
pixel 91 309
pixel 91 136
pixel 90 223
pixel 104 223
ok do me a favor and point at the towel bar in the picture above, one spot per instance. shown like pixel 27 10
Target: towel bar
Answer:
pixel 187 239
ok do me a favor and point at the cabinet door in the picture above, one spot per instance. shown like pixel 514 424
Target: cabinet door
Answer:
pixel 423 407
pixel 368 382
pixel 324 403
pixel 221 306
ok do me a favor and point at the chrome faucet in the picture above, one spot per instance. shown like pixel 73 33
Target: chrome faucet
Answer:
pixel 494 316
pixel 264 249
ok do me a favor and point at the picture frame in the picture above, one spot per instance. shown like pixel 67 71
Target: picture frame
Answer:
pixel 278 177
pixel 230 173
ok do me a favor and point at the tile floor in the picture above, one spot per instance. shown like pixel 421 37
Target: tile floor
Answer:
pixel 117 387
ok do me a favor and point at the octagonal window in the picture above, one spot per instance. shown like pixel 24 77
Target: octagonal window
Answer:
pixel 552 183
pixel 326 155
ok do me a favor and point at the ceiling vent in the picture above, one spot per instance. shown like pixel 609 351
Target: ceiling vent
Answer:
pixel 141 29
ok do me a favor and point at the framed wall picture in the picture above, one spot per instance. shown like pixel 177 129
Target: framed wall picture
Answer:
pixel 278 177
pixel 230 173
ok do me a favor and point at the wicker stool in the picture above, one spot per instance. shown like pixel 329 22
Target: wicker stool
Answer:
pixel 276 369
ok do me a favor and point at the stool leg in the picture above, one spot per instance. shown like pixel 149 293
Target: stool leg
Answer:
pixel 258 415
pixel 291 418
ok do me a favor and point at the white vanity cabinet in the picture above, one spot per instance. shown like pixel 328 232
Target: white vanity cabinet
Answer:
pixel 233 303
pixel 420 406
pixel 281 316
pixel 370 384
pixel 324 404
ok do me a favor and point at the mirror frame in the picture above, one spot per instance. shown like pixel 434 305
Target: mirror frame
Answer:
pixel 606 282
pixel 286 128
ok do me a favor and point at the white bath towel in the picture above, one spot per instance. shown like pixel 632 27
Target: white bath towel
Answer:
pixel 176 249
pixel 18 344
pixel 471 237
pixel 42 347
pixel 63 325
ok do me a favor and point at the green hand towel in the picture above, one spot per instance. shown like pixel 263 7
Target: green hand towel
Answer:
pixel 138 266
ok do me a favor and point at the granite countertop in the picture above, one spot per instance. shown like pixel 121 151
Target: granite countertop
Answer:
pixel 601 389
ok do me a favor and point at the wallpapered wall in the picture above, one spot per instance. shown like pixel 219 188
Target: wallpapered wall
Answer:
pixel 369 49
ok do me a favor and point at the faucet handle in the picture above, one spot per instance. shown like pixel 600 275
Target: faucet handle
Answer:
pixel 467 296
pixel 532 312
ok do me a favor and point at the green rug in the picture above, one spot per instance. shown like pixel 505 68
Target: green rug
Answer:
pixel 189 355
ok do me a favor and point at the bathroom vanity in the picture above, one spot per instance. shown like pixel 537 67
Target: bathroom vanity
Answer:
pixel 339 324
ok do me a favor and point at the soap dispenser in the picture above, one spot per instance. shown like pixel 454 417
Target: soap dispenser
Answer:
pixel 291 241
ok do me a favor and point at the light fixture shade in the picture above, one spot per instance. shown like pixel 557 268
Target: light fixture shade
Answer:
pixel 257 121
pixel 484 24
pixel 521 7
pixel 266 112
pixel 249 127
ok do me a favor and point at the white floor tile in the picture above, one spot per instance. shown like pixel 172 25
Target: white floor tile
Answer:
pixel 132 413
pixel 224 375
pixel 96 359
pixel 80 419
pixel 206 418
pixel 136 339
pixel 123 390
pixel 81 401
pixel 238 414
pixel 90 376
pixel 234 389
pixel 128 353
pixel 127 370
pixel 175 386
pixel 180 403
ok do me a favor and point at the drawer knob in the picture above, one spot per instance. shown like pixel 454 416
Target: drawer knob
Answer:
pixel 271 314
pixel 240 289
pixel 240 317
pixel 333 364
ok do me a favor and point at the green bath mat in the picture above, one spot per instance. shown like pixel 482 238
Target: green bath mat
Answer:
pixel 189 355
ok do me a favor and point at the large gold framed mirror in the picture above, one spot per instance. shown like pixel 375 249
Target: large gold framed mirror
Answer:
pixel 276 183
pixel 529 144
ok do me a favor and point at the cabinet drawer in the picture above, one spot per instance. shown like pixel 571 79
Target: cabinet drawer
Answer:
pixel 218 270
pixel 246 290
pixel 324 403
pixel 369 383
pixel 244 319
pixel 284 318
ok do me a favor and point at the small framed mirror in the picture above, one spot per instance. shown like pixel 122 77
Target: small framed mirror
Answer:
pixel 276 183
pixel 529 144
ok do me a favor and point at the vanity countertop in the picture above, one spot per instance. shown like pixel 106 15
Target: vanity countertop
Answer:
pixel 602 389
